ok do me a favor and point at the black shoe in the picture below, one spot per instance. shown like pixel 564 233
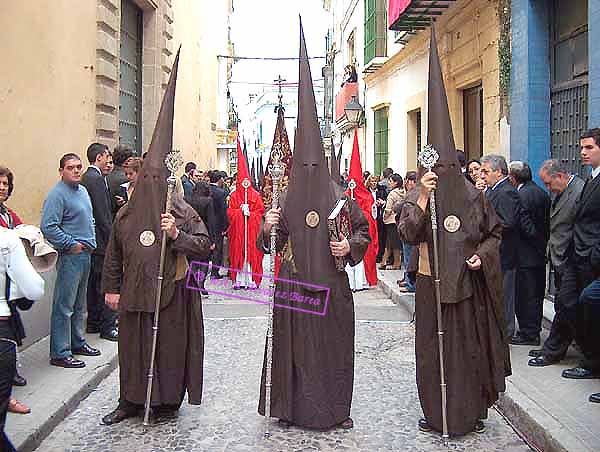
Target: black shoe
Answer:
pixel 18 380
pixel 479 427
pixel 117 416
pixel 204 292
pixel 595 398
pixel 580 373
pixel 424 425
pixel 112 335
pixel 347 424
pixel 86 350
pixel 520 340
pixel 92 329
pixel 542 361
pixel 69 362
pixel 536 353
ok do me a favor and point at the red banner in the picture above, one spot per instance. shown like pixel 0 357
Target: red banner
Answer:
pixel 395 9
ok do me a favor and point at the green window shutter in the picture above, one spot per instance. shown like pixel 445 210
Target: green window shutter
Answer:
pixel 375 29
pixel 381 140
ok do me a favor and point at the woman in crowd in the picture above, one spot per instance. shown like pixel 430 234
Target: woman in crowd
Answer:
pixel 132 167
pixel 393 245
pixel 18 280
pixel 472 171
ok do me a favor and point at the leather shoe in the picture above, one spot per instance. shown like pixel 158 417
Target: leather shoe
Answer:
pixel 68 362
pixel 347 424
pixel 520 340
pixel 117 416
pixel 595 398
pixel 479 427
pixel 112 335
pixel 424 425
pixel 18 380
pixel 86 350
pixel 542 361
pixel 536 352
pixel 580 373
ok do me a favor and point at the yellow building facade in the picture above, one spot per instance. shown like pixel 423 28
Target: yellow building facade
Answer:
pixel 79 71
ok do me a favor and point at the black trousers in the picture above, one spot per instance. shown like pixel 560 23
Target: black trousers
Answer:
pixel 100 316
pixel 529 303
pixel 8 367
pixel 217 254
pixel 588 333
pixel 570 279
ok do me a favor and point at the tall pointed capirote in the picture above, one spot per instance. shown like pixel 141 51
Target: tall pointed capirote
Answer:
pixel 281 142
pixel 246 154
pixel 311 194
pixel 453 194
pixel 142 212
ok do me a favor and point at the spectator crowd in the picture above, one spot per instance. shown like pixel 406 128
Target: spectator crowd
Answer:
pixel 550 243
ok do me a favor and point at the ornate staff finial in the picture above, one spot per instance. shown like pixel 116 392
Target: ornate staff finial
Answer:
pixel 352 186
pixel 174 161
pixel 428 157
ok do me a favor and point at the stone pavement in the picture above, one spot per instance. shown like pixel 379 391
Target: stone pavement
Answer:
pixel 552 412
pixel 385 405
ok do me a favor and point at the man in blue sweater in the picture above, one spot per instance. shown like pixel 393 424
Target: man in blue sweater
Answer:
pixel 68 224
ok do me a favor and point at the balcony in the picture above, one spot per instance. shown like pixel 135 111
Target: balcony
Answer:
pixel 342 98
pixel 412 16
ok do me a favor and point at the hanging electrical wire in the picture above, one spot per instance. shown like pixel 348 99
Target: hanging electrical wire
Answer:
pixel 230 57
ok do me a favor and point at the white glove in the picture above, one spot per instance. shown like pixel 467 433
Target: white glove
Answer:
pixel 246 210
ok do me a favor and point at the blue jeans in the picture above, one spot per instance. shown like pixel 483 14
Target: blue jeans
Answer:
pixel 406 248
pixel 69 304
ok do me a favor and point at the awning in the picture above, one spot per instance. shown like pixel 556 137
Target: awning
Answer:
pixel 414 15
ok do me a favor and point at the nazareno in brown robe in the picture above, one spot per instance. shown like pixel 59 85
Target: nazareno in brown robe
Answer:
pixel 180 348
pixel 313 355
pixel 476 354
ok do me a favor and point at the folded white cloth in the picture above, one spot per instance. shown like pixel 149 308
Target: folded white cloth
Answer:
pixel 42 256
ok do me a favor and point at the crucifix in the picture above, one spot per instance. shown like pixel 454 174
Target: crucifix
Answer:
pixel 279 82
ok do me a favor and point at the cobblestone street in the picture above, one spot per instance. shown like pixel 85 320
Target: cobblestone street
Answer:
pixel 385 407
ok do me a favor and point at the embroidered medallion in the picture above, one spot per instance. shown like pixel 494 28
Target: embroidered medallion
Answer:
pixel 374 211
pixel 452 223
pixel 312 219
pixel 147 238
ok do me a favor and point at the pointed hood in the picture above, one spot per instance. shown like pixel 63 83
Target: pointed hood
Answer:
pixel 311 194
pixel 454 194
pixel 242 170
pixel 253 173
pixel 335 167
pixel 365 201
pixel 142 213
pixel 280 139
pixel 246 154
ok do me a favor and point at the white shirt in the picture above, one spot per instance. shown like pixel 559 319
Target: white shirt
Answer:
pixel 25 281
pixel 595 172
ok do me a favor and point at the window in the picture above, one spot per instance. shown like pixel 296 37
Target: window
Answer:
pixel 413 136
pixel 473 118
pixel 351 58
pixel 130 76
pixel 381 139
pixel 375 29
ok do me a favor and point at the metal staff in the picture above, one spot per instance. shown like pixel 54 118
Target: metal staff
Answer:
pixel 352 186
pixel 276 170
pixel 173 162
pixel 428 157
pixel 245 185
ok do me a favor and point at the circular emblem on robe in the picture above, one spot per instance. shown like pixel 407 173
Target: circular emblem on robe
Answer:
pixel 147 238
pixel 452 223
pixel 312 219
pixel 374 211
pixel 245 183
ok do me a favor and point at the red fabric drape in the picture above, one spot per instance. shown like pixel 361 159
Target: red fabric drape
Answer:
pixel 365 201
pixel 395 9
pixel 236 224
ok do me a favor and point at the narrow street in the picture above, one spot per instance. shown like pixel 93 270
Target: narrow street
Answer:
pixel 385 406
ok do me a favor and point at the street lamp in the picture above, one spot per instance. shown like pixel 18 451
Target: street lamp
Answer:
pixel 353 111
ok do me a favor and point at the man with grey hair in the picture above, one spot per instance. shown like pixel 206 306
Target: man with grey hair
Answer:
pixel 531 269
pixel 566 188
pixel 515 221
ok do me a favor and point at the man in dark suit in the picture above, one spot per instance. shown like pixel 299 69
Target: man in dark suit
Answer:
pixel 203 204
pixel 218 195
pixel 586 234
pixel 567 189
pixel 101 319
pixel 531 267
pixel 515 223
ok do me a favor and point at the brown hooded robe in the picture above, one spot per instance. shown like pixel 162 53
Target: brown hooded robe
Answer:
pixel 313 355
pixel 476 355
pixel 131 270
